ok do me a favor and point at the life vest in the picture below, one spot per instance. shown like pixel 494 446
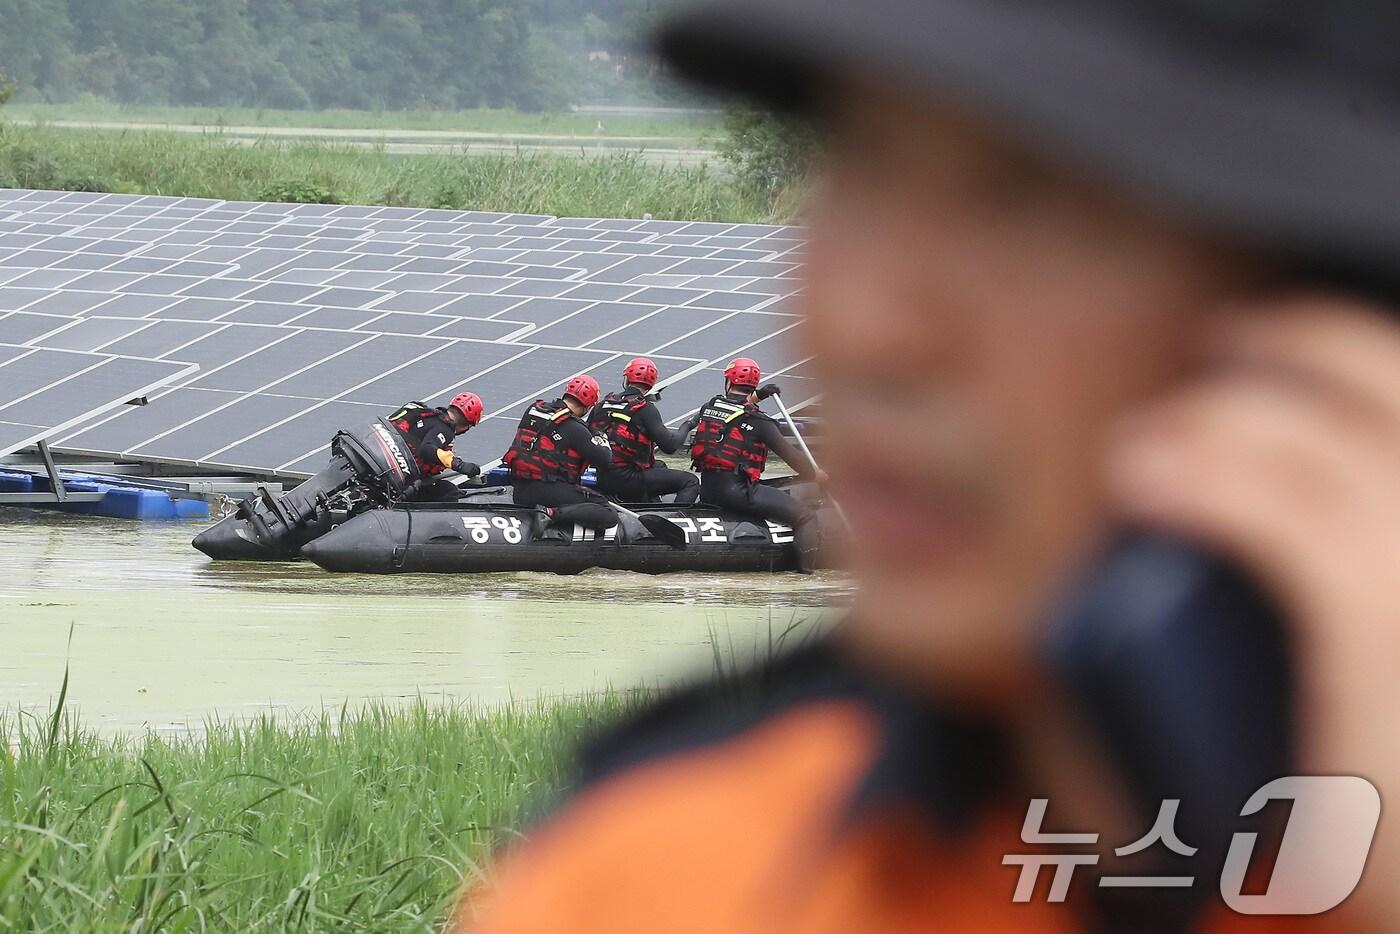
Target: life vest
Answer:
pixel 726 439
pixel 539 451
pixel 413 422
pixel 617 418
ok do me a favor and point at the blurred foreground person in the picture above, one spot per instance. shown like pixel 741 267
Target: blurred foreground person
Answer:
pixel 1072 267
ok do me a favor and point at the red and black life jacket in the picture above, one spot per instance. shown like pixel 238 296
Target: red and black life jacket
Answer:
pixel 414 422
pixel 617 419
pixel 539 451
pixel 726 439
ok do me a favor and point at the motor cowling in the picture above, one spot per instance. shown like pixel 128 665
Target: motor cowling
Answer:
pixel 380 457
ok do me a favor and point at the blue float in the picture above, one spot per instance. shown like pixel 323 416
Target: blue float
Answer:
pixel 119 500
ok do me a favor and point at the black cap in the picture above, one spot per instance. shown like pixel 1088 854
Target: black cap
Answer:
pixel 1275 121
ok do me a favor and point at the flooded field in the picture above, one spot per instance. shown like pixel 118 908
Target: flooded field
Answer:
pixel 162 637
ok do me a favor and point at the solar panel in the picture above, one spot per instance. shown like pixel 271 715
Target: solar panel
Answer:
pixel 301 316
pixel 45 391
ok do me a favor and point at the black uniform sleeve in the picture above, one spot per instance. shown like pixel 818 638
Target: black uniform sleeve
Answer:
pixel 578 437
pixel 437 436
pixel 687 426
pixel 778 443
pixel 655 429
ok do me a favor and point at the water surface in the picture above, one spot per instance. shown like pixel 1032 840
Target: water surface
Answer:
pixel 163 637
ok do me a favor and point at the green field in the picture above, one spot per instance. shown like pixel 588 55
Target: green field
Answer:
pixel 689 127
pixel 367 821
pixel 155 162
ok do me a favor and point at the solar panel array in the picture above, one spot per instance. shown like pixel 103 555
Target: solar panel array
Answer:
pixel 306 318
pixel 44 392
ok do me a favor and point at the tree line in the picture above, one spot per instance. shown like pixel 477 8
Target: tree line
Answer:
pixel 314 54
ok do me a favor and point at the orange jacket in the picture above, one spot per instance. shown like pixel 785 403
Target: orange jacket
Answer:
pixel 720 819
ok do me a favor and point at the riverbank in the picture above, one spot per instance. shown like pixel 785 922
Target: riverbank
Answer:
pixel 367 820
pixel 656 150
pixel 693 127
pixel 583 183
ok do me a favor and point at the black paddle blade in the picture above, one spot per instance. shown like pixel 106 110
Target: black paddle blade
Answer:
pixel 664 529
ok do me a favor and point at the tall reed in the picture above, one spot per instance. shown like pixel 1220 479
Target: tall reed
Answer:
pixel 368 820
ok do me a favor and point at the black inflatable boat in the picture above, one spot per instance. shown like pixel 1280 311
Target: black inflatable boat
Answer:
pixel 357 515
pixel 479 536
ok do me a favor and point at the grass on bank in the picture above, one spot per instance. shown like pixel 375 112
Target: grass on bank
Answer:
pixel 370 821
pixel 692 126
pixel 154 162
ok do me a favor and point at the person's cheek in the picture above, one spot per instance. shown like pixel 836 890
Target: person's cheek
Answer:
pixel 834 304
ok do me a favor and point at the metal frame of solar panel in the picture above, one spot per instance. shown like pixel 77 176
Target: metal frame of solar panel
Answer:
pixel 306 318
pixel 45 391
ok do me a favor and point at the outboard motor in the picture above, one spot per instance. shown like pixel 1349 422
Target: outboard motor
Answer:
pixel 380 459
pixel 368 468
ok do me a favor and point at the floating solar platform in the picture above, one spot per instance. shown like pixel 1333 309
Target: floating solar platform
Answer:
pixel 303 319
pixel 45 392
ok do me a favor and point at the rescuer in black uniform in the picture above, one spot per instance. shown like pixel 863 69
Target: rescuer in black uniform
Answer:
pixel 430 433
pixel 733 438
pixel 552 446
pixel 634 428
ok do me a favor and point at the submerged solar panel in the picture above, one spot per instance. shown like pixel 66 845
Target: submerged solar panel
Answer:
pixel 302 316
pixel 45 391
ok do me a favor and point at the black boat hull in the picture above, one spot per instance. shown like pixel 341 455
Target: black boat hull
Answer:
pixel 239 537
pixel 476 537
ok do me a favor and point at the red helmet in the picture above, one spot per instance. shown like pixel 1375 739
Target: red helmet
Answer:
pixel 743 372
pixel 640 370
pixel 585 389
pixel 469 404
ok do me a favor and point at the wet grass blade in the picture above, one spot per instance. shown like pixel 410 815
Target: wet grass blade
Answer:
pixel 56 719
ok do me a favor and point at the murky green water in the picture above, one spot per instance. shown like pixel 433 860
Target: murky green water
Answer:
pixel 162 637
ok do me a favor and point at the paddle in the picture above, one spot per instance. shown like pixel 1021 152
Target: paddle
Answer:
pixel 772 391
pixel 659 526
